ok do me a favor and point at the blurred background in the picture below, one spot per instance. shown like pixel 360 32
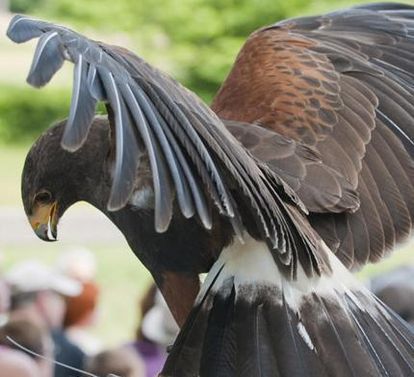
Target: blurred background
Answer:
pixel 195 41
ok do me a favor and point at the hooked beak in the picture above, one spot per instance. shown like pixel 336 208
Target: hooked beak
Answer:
pixel 44 221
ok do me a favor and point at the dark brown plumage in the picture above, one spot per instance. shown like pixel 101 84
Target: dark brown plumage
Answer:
pixel 307 151
pixel 322 84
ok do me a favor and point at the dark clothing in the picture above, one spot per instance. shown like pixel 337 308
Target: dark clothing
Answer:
pixel 67 353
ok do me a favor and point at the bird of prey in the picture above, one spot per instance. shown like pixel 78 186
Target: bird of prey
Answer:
pixel 301 170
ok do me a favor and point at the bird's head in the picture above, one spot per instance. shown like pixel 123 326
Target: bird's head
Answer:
pixel 53 179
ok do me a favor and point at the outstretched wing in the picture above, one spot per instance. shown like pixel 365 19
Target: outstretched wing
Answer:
pixel 343 85
pixel 192 155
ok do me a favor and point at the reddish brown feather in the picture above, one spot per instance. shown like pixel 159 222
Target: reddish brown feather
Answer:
pixel 320 90
pixel 281 84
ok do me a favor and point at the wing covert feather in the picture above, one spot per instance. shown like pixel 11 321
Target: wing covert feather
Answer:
pixel 342 84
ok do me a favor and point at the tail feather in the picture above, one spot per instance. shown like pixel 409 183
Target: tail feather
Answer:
pixel 399 325
pixel 185 356
pixel 296 354
pixel 337 330
pixel 251 321
pixel 255 357
pixel 219 346
pixel 367 345
pixel 265 361
pixel 392 344
pixel 382 354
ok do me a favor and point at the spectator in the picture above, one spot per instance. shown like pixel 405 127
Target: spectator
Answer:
pixel 37 294
pixel 81 311
pixel 396 290
pixel 120 362
pixel 79 264
pixel 158 330
pixel 4 301
pixel 17 364
pixel 4 294
pixel 33 338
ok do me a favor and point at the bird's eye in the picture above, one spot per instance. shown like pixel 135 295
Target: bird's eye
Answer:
pixel 43 197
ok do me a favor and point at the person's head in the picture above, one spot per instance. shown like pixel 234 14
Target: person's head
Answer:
pixel 17 364
pixel 157 323
pixel 4 297
pixel 78 263
pixel 81 309
pixel 21 332
pixel 120 362
pixel 37 292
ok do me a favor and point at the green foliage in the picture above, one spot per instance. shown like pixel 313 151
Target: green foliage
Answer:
pixel 26 112
pixel 196 41
pixel 24 6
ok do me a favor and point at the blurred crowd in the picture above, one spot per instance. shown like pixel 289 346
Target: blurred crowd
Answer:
pixel 47 313
pixel 46 317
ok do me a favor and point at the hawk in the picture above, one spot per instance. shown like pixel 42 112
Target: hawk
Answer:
pixel 300 171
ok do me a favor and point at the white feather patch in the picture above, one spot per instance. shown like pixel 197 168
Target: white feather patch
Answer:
pixel 252 263
pixel 305 336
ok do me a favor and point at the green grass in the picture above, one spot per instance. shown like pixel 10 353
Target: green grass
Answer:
pixel 11 165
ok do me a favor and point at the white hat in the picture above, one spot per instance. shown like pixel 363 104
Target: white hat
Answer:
pixel 78 263
pixel 33 276
pixel 158 324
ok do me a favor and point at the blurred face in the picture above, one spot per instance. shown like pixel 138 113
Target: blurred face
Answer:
pixel 17 364
pixel 52 308
pixel 46 366
pixel 4 297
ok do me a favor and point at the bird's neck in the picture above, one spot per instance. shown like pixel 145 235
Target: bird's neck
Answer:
pixel 185 246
